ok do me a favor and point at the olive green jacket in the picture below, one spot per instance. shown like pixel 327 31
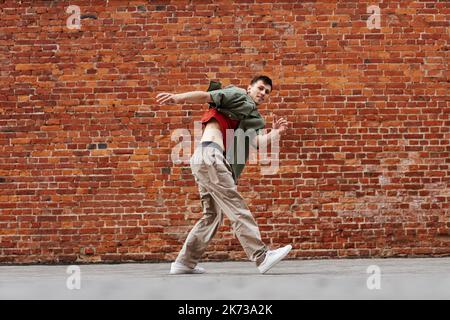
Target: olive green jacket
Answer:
pixel 237 105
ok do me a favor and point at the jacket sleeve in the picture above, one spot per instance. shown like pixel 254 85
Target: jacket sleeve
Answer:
pixel 227 98
pixel 256 123
pixel 231 101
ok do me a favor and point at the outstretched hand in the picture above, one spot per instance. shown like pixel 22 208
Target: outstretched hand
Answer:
pixel 166 98
pixel 279 124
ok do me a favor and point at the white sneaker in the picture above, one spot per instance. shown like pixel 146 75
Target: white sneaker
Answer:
pixel 178 268
pixel 273 257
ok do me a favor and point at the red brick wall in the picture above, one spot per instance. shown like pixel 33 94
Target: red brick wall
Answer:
pixel 85 167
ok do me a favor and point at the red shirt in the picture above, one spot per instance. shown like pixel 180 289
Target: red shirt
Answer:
pixel 224 122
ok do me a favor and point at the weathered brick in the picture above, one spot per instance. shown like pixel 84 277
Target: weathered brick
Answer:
pixel 85 150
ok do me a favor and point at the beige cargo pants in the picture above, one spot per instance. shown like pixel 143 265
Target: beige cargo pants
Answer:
pixel 218 195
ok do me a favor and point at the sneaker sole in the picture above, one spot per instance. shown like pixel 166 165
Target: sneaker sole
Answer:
pixel 278 260
pixel 172 271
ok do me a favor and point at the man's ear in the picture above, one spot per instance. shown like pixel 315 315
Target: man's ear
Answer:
pixel 249 88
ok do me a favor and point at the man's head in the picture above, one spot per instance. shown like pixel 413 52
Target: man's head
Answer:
pixel 259 89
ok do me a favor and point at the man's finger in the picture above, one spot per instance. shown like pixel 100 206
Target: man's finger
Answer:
pixel 160 99
pixel 162 94
pixel 164 100
pixel 163 97
pixel 167 97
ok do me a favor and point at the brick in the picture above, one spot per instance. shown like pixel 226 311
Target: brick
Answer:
pixel 85 167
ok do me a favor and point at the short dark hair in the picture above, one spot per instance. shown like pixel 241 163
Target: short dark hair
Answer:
pixel 264 79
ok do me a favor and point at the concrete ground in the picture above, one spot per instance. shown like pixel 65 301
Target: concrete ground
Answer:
pixel 424 278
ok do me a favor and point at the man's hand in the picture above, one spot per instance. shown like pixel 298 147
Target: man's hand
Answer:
pixel 279 124
pixel 167 98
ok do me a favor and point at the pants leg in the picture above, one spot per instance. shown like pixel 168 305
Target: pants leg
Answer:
pixel 224 191
pixel 202 233
pixel 219 194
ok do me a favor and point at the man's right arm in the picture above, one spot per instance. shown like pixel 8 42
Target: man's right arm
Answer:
pixel 193 97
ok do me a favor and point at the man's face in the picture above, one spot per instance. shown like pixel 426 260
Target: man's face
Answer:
pixel 259 91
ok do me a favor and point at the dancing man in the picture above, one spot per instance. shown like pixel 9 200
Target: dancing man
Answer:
pixel 231 109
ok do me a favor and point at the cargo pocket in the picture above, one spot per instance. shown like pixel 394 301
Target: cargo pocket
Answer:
pixel 212 173
pixel 224 173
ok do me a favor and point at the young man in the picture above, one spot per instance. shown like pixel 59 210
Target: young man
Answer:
pixel 232 108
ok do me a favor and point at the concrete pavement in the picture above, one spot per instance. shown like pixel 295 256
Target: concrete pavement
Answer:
pixel 423 278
